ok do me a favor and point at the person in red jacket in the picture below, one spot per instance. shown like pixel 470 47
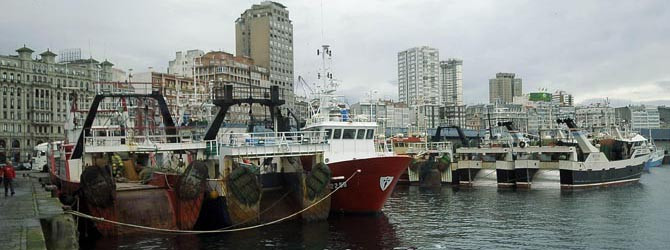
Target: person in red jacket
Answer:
pixel 8 177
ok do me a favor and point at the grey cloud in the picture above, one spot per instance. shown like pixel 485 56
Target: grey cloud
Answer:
pixel 584 47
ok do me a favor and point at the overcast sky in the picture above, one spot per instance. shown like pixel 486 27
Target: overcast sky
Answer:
pixel 593 49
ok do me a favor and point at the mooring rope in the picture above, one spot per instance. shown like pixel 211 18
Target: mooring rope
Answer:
pixel 261 213
pixel 176 231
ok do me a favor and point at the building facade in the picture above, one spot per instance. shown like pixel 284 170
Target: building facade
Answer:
pixel 453 115
pixel 504 88
pixel 451 79
pixel 418 77
pixel 596 117
pixel 35 98
pixel 664 116
pixel 220 68
pixel 387 113
pixel 563 98
pixel 182 65
pixel 177 90
pixel 638 117
pixel 485 116
pixel 264 33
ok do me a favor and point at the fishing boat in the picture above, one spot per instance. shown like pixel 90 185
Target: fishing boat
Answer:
pixel 259 177
pixel 511 162
pixel 657 155
pixel 615 162
pixel 132 167
pixel 656 158
pixel 432 159
pixel 354 146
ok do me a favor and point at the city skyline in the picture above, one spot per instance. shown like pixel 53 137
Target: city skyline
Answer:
pixel 588 49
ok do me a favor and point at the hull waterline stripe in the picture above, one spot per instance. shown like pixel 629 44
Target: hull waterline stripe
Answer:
pixel 600 183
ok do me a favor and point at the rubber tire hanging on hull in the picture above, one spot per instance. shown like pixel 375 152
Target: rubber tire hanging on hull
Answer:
pixel 98 187
pixel 317 184
pixel 243 194
pixel 190 191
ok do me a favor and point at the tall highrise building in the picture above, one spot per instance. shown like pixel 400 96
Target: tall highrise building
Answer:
pixel 418 76
pixel 451 78
pixel 504 88
pixel 265 34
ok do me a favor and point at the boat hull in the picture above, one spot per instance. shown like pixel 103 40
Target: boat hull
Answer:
pixel 654 161
pixel 506 178
pixel 155 205
pixel 524 177
pixel 465 176
pixel 368 190
pixel 571 179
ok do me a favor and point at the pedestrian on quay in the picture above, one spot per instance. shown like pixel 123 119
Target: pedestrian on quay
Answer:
pixel 8 174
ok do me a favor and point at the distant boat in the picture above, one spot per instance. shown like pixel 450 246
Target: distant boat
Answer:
pixel 656 159
pixel 616 162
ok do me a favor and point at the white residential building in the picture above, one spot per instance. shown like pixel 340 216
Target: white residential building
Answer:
pixel 182 65
pixel 478 117
pixel 562 98
pixel 637 117
pixel 597 117
pixel 387 113
pixel 418 77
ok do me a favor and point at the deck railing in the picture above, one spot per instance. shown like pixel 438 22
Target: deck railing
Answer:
pixel 142 136
pixel 271 138
pixel 422 147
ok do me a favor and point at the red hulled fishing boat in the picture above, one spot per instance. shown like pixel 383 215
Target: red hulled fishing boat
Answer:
pixel 356 144
pixel 129 165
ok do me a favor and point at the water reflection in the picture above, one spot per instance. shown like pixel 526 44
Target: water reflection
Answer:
pixel 362 232
pixel 628 217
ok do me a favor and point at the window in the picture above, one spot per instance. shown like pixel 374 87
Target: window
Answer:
pixel 337 134
pixel 370 134
pixel 349 134
pixel 329 133
pixel 360 134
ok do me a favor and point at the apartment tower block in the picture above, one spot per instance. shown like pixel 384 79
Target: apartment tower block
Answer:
pixel 265 34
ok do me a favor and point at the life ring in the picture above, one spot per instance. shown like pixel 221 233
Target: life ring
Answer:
pixel 522 144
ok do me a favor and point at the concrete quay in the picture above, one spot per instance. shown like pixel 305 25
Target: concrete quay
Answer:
pixel 32 219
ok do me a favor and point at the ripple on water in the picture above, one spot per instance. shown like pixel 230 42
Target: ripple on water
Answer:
pixel 629 217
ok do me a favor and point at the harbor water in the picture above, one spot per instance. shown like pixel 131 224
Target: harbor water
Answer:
pixel 628 217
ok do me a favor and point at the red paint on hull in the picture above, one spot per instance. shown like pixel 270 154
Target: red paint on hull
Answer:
pixel 154 207
pixel 363 193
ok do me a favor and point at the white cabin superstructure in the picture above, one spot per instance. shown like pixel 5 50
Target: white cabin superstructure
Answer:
pixel 349 140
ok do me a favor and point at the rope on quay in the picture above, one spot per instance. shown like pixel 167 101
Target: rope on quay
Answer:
pixel 176 231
